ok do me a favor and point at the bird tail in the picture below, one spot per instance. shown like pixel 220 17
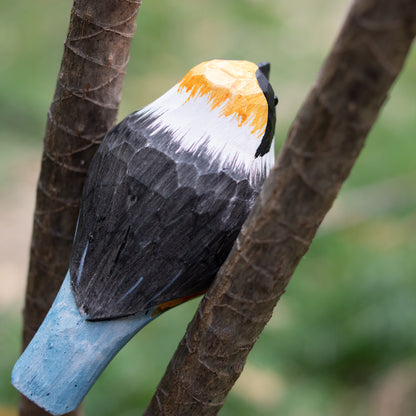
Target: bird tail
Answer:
pixel 68 353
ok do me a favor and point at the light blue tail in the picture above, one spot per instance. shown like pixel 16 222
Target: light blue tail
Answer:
pixel 68 353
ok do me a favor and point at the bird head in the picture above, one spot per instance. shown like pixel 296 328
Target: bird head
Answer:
pixel 238 89
pixel 227 105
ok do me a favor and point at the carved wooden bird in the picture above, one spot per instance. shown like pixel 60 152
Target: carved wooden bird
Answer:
pixel 166 195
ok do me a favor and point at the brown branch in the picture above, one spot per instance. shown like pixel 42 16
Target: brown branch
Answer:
pixel 323 144
pixel 83 109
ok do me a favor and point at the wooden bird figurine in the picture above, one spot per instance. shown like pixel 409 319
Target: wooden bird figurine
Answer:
pixel 166 195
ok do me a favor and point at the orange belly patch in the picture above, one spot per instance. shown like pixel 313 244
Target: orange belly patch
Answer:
pixel 170 304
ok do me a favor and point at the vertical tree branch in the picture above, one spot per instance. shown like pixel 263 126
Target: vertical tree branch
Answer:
pixel 83 109
pixel 323 145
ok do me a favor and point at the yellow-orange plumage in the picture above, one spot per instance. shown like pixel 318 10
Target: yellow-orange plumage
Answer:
pixel 233 88
pixel 172 303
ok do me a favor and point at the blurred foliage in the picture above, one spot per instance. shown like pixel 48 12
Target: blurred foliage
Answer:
pixel 349 314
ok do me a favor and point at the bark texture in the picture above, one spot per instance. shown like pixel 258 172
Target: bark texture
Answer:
pixel 323 144
pixel 83 109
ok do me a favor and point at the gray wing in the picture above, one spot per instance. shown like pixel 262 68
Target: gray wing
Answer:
pixel 155 224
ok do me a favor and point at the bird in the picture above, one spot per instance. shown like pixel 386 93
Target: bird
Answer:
pixel 166 195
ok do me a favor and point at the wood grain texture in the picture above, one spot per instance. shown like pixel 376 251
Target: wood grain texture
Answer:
pixel 155 223
pixel 83 109
pixel 320 151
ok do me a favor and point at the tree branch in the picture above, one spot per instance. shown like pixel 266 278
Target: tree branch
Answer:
pixel 323 144
pixel 83 109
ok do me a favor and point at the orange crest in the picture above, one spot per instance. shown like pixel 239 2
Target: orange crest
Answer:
pixel 232 86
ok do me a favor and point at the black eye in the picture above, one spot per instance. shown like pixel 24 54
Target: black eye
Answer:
pixel 276 100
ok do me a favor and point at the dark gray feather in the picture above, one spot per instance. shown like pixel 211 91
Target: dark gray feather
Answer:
pixel 155 224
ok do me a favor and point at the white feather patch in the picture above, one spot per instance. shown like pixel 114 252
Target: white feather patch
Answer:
pixel 193 123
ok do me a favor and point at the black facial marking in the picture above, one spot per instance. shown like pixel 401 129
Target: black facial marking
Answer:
pixel 262 78
pixel 265 68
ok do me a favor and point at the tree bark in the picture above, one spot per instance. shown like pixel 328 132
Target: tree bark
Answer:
pixel 323 144
pixel 83 109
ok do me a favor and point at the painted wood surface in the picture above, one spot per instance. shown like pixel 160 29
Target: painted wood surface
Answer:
pixel 68 353
pixel 169 189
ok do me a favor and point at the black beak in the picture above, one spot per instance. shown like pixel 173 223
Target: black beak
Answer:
pixel 264 68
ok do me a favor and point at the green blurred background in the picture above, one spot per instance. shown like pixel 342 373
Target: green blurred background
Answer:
pixel 343 339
